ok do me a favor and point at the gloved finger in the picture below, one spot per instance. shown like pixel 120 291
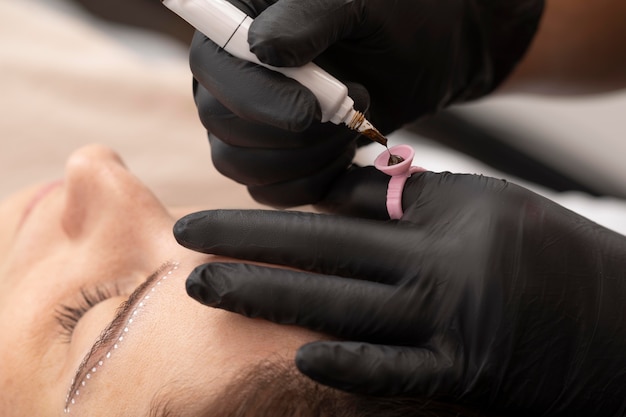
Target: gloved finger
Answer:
pixel 320 243
pixel 427 195
pixel 241 133
pixel 242 87
pixel 376 369
pixel 358 192
pixel 258 167
pixel 235 131
pixel 308 189
pixel 343 307
pixel 291 33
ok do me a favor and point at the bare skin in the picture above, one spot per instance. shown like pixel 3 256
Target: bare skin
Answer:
pixel 101 228
pixel 579 49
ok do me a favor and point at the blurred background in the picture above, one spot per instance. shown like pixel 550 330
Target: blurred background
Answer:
pixel 115 72
pixel 70 77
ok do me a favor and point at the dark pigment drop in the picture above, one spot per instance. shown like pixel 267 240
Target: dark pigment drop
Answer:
pixel 394 159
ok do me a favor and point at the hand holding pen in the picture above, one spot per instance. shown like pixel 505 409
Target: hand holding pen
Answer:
pixel 392 57
pixel 483 293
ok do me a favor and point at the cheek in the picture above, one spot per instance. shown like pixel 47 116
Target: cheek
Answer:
pixel 31 359
pixel 12 211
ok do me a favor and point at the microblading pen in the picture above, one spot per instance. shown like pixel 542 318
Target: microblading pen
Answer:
pixel 228 26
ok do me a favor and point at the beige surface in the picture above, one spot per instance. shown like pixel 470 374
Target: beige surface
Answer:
pixel 65 84
pixel 582 136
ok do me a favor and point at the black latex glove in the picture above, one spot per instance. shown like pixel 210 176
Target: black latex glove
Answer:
pixel 280 168
pixel 412 56
pixel 484 293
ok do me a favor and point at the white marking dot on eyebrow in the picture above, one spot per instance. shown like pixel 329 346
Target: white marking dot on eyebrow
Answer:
pixel 70 398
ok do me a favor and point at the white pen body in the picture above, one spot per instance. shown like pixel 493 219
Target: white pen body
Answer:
pixel 228 26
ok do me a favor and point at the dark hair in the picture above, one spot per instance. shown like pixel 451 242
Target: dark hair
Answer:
pixel 275 388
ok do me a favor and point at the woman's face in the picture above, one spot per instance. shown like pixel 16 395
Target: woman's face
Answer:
pixel 81 246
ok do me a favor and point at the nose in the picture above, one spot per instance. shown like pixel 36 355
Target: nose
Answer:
pixel 101 194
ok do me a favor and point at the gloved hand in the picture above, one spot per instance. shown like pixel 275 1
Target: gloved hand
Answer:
pixel 280 168
pixel 484 293
pixel 412 56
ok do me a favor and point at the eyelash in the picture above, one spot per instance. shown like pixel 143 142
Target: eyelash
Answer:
pixel 68 316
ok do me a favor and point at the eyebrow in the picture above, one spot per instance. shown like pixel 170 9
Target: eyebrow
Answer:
pixel 111 332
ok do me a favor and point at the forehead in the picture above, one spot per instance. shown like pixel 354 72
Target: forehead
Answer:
pixel 172 342
pixel 181 349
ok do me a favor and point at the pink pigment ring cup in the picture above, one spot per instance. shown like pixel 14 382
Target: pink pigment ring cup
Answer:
pixel 399 174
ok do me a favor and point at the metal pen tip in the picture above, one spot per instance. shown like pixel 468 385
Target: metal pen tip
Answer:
pixel 375 135
pixel 358 122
